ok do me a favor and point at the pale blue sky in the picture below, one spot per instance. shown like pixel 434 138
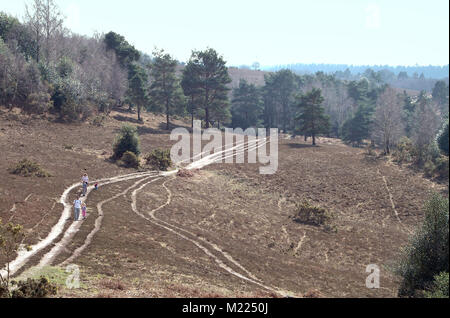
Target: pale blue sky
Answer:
pixel 394 32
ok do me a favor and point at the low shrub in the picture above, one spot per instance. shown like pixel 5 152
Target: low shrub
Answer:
pixel 3 291
pixel 159 159
pixel 38 103
pixel 429 168
pixel 33 288
pixel 442 169
pixel 184 173
pixel 313 215
pixel 113 284
pixel 28 168
pixel 130 160
pixel 98 120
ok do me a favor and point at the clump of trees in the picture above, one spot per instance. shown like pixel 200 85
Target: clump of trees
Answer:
pixel 44 67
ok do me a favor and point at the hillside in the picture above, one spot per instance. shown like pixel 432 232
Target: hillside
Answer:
pixel 194 236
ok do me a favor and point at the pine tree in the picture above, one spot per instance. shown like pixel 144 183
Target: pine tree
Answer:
pixel 246 106
pixel 312 118
pixel 137 91
pixel 279 98
pixel 165 90
pixel 357 128
pixel 210 77
pixel 191 88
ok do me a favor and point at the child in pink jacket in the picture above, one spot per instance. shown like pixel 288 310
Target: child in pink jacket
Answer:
pixel 83 210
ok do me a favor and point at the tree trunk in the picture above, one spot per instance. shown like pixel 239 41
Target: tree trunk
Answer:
pixel 314 139
pixel 139 113
pixel 192 111
pixel 167 115
pixel 207 117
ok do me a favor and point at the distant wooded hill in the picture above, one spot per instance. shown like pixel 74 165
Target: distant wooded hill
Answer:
pixel 435 72
pixel 402 81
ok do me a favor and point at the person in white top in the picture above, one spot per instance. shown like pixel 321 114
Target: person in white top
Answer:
pixel 77 207
pixel 85 182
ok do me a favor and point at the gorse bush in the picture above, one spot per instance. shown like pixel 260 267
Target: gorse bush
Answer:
pixel 33 288
pixel 28 168
pixel 159 158
pixel 404 151
pixel 439 288
pixel 429 158
pixel 427 253
pixel 99 120
pixel 126 140
pixel 130 160
pixel 314 215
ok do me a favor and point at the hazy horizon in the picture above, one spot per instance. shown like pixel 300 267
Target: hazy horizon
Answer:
pixel 367 33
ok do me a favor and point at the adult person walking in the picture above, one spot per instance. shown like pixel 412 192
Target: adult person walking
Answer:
pixel 76 208
pixel 85 182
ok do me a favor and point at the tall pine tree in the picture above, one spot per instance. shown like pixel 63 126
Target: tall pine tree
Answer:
pixel 210 73
pixel 311 117
pixel 246 107
pixel 165 90
pixel 190 83
pixel 137 87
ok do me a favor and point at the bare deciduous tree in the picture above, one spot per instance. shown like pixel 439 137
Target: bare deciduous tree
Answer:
pixel 426 123
pixel 34 22
pixel 46 21
pixel 388 124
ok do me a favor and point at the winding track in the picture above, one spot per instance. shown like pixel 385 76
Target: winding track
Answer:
pixel 200 242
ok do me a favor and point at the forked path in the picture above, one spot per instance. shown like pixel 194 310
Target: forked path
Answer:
pixel 204 245
pixel 25 255
pixel 200 243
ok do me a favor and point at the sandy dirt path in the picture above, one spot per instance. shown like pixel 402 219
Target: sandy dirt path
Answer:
pixel 24 255
pixel 47 259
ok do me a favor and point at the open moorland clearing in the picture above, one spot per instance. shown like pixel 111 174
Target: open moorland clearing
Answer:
pixel 224 231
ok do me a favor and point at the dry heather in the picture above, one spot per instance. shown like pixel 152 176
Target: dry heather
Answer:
pixel 243 219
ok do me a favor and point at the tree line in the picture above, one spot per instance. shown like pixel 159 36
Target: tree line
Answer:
pixel 44 67
pixel 344 70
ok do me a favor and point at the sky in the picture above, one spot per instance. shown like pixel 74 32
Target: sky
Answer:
pixel 357 32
